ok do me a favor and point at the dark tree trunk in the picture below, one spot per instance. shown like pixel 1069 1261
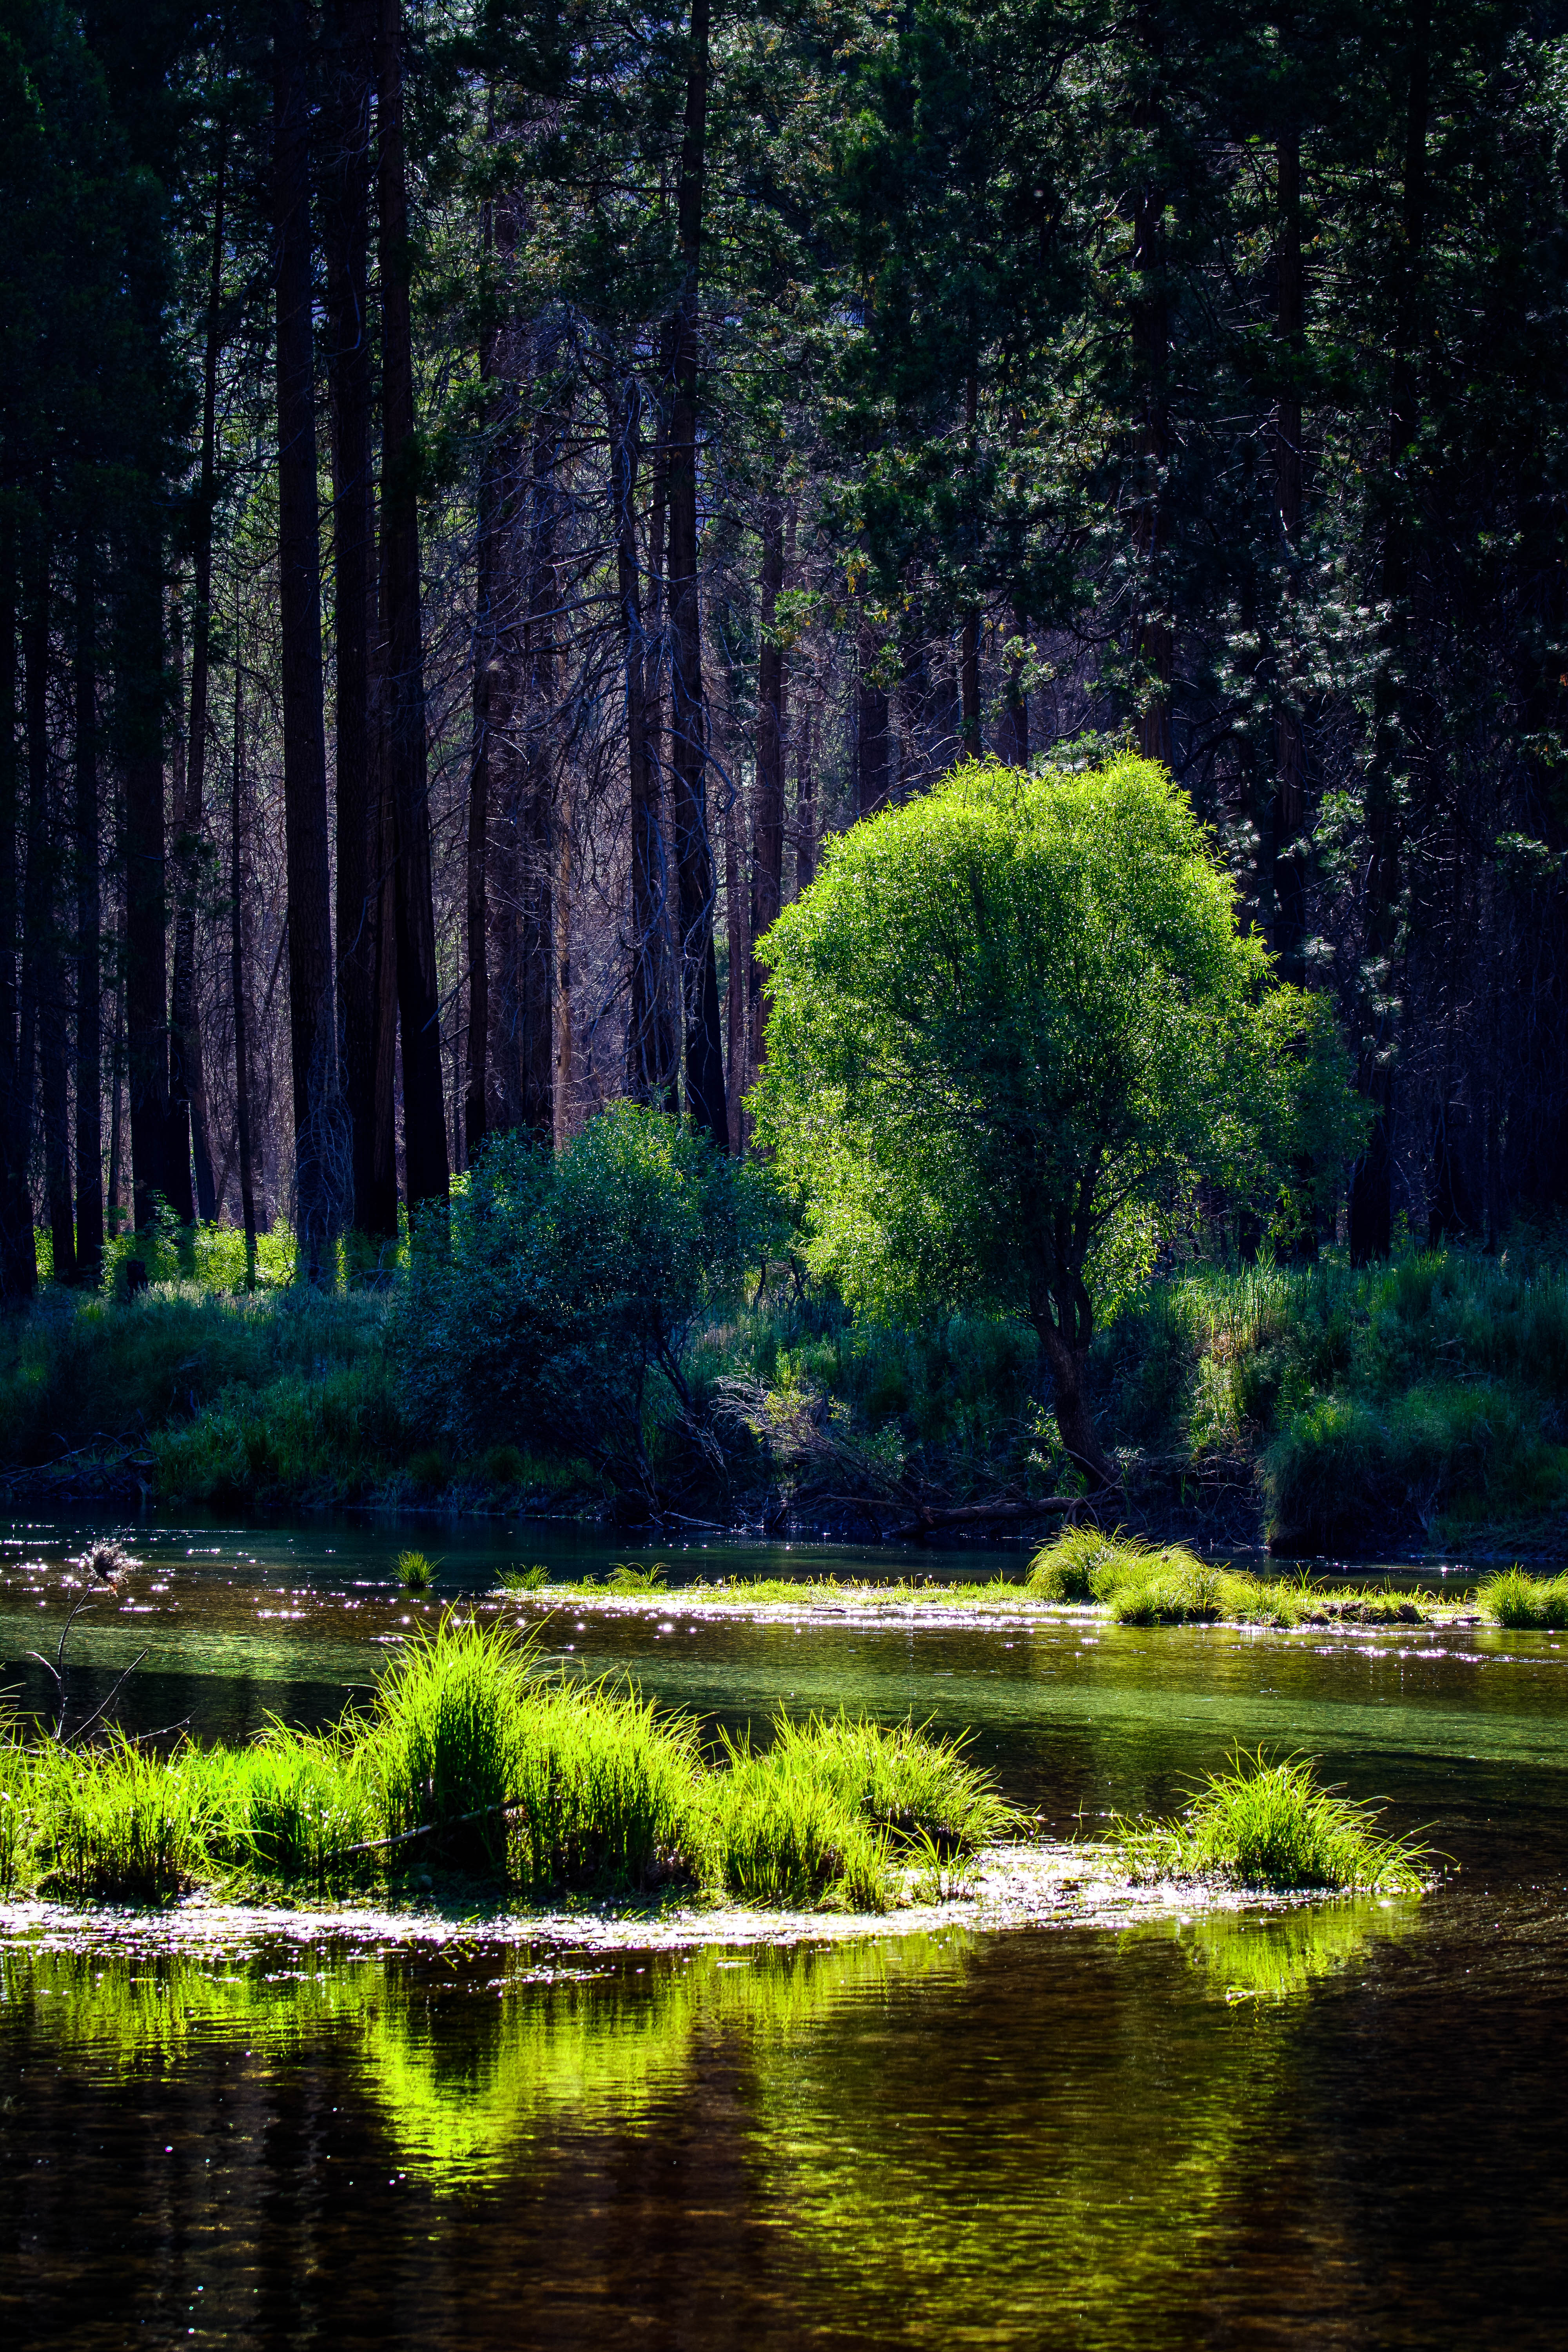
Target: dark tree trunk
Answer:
pixel 403 666
pixel 187 1075
pixel 805 809
pixel 360 943
pixel 648 1074
pixel 705 1097
pixel 968 685
pixel 18 1262
pixel 1013 742
pixel 1063 1319
pixel 1394 708
pixel 89 927
pixel 139 701
pixel 236 981
pixel 870 734
pixel 181 1200
pixel 544 982
pixel 1151 338
pixel 490 570
pixel 738 962
pixel 42 929
pixel 768 808
pixel 1290 891
pixel 319 1174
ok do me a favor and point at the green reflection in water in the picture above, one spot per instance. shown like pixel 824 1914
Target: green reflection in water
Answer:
pixel 466 2070
pixel 1276 1956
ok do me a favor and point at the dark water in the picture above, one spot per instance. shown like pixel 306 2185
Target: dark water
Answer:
pixel 1341 2126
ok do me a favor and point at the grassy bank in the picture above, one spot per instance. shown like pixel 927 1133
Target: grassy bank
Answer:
pixel 471 1761
pixel 1122 1578
pixel 1424 1402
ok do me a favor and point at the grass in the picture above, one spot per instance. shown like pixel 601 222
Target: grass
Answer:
pixel 415 1572
pixel 1143 1584
pixel 472 1760
pixel 1270 1824
pixel 1524 1603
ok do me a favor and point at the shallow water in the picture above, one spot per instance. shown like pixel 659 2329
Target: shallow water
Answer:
pixel 1340 2125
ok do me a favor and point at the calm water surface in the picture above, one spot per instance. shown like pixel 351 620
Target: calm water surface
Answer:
pixel 1341 2126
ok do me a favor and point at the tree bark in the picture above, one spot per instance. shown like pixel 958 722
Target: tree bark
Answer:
pixel 89 926
pixel 1013 744
pixel 418 995
pixel 648 1071
pixel 236 981
pixel 738 966
pixel 1290 891
pixel 361 942
pixel 1151 338
pixel 805 808
pixel 1372 1179
pixel 870 734
pixel 43 933
pixel 705 1096
pixel 18 1261
pixel 768 808
pixel 187 1077
pixel 319 1172
pixel 1063 1319
pixel 181 1200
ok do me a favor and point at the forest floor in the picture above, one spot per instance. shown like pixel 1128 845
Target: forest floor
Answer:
pixel 1403 1410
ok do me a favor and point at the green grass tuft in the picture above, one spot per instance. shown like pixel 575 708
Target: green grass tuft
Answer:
pixel 415 1572
pixel 1525 1605
pixel 1270 1824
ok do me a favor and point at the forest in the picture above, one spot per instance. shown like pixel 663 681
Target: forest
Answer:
pixel 493 493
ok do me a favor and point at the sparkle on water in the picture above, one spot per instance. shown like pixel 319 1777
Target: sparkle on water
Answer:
pixel 1339 2124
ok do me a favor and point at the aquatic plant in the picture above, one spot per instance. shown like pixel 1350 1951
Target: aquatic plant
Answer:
pixel 631 1576
pixel 472 1758
pixel 1271 1823
pixel 415 1572
pixel 1524 1603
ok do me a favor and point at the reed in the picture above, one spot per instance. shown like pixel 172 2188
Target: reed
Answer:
pixel 1271 1823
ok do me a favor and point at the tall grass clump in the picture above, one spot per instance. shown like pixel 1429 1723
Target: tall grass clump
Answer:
pixel 1271 1825
pixel 1524 1603
pixel 119 1824
pixel 1142 1584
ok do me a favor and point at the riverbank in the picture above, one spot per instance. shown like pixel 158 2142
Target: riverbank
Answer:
pixel 1384 1412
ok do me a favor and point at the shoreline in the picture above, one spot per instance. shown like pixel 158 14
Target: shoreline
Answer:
pixel 1053 1884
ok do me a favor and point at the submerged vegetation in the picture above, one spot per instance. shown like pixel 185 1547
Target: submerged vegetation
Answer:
pixel 1270 1824
pixel 472 1760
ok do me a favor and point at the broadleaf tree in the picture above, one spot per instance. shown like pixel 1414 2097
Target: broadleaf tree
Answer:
pixel 1014 1025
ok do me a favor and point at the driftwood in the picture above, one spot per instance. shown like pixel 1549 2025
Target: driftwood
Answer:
pixel 407 1837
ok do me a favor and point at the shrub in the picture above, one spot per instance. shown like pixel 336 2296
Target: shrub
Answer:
pixel 559 1298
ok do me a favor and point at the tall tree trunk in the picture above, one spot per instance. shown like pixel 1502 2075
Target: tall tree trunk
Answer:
pixel 43 943
pixel 361 942
pixel 561 954
pixel 648 1076
pixel 1372 1179
pixel 116 1061
pixel 1289 892
pixel 403 673
pixel 870 732
pixel 187 1075
pixel 1013 744
pixel 738 967
pixel 1151 337
pixel 489 568
pixel 89 930
pixel 236 980
pixel 969 635
pixel 805 808
pixel 181 1200
pixel 543 861
pixel 18 1261
pixel 319 1172
pixel 768 808
pixel 705 1097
